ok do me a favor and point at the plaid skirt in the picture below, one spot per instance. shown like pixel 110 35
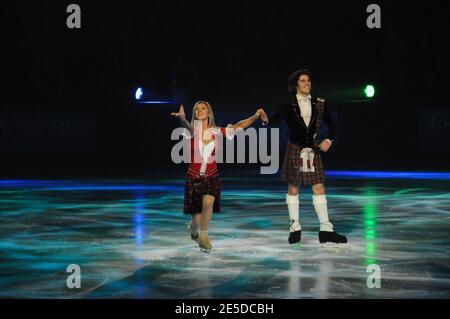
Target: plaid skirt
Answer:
pixel 195 188
pixel 292 173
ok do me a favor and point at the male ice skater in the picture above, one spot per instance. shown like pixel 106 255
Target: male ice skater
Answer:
pixel 302 162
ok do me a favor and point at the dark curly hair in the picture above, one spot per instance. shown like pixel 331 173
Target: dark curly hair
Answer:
pixel 293 79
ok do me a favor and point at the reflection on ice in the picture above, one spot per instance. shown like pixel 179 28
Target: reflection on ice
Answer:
pixel 132 242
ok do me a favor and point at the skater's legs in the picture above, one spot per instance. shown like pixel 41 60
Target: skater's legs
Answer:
pixel 321 207
pixel 195 223
pixel 292 203
pixel 326 232
pixel 196 219
pixel 206 215
pixel 318 189
pixel 203 240
pixel 292 190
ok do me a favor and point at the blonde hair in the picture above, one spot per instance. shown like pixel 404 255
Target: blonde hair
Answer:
pixel 211 122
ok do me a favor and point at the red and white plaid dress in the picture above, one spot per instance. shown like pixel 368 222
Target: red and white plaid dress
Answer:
pixel 202 177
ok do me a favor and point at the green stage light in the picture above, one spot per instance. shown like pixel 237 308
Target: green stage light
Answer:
pixel 369 91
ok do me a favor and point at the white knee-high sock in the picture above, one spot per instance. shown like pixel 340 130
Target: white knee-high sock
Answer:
pixel 320 205
pixel 293 207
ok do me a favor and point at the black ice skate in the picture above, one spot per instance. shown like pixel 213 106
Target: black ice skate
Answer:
pixel 326 237
pixel 294 239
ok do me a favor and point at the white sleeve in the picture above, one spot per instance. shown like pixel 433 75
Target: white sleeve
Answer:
pixel 187 134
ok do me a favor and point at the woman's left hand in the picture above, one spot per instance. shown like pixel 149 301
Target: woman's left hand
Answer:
pixel 180 114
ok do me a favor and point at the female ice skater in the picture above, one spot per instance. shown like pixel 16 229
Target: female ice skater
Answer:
pixel 202 187
pixel 302 162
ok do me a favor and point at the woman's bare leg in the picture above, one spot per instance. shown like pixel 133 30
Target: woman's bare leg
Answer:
pixel 208 202
pixel 203 240
pixel 196 219
pixel 194 225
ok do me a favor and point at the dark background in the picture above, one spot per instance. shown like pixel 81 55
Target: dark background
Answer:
pixel 67 102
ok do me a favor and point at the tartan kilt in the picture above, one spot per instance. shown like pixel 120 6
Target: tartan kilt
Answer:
pixel 195 188
pixel 291 173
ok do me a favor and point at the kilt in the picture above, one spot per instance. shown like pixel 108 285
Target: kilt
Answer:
pixel 291 172
pixel 195 188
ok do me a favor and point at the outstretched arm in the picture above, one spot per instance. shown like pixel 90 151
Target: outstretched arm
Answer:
pixel 279 116
pixel 247 122
pixel 182 117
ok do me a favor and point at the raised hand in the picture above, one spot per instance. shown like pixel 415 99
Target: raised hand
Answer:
pixel 180 114
pixel 262 115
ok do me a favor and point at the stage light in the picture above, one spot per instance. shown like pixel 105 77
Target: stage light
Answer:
pixel 157 102
pixel 150 97
pixel 139 93
pixel 369 91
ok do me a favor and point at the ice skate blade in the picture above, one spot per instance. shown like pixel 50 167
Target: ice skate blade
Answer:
pixel 334 246
pixel 295 246
pixel 205 250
